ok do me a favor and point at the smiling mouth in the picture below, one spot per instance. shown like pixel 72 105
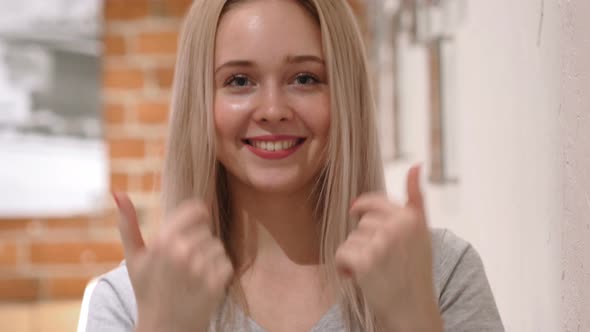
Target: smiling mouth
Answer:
pixel 274 145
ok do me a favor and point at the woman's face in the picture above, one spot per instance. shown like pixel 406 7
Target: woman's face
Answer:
pixel 272 101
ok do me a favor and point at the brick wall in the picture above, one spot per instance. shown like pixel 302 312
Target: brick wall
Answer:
pixel 47 259
pixel 53 258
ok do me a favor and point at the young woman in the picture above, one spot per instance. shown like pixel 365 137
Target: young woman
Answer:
pixel 276 216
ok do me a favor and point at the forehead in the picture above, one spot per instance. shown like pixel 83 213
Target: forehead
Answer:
pixel 266 29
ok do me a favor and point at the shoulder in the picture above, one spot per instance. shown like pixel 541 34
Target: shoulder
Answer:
pixel 112 303
pixel 118 279
pixel 453 259
pixel 448 249
pixel 465 298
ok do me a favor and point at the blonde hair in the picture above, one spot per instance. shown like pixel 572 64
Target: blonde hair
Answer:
pixel 353 160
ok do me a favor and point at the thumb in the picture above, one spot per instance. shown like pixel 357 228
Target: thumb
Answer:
pixel 415 199
pixel 128 226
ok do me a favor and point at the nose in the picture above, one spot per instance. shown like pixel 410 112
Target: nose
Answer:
pixel 273 106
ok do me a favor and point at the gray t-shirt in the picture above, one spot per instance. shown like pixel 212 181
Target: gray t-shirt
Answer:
pixel 464 296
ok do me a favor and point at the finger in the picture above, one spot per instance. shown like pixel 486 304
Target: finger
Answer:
pixel 204 244
pixel 189 214
pixel 128 226
pixel 359 240
pixel 193 241
pixel 370 223
pixel 348 259
pixel 225 271
pixel 344 263
pixel 373 202
pixel 221 274
pixel 213 255
pixel 212 249
pixel 415 199
pixel 223 268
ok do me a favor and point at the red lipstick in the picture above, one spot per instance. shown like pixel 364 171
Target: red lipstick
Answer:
pixel 251 143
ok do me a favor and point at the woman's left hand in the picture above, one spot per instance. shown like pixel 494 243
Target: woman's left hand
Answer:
pixel 389 255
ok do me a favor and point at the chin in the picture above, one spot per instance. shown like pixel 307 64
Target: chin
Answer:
pixel 278 185
pixel 279 181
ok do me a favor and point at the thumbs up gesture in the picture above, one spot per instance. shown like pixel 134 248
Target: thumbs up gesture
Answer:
pixel 180 279
pixel 389 256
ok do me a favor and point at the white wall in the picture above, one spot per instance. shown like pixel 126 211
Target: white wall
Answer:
pixel 574 125
pixel 522 110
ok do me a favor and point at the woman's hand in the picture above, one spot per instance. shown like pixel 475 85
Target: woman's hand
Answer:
pixel 389 255
pixel 181 278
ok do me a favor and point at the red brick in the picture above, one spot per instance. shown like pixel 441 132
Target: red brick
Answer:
pixel 114 45
pixel 76 252
pixel 119 182
pixel 19 289
pixel 8 254
pixel 123 10
pixel 114 114
pixel 110 219
pixel 171 8
pixel 14 224
pixel 157 148
pixel 126 148
pixel 157 43
pixel 61 288
pixel 122 79
pixel 79 221
pixel 165 77
pixel 150 182
pixel 152 112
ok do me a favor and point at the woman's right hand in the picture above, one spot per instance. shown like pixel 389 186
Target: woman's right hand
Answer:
pixel 181 278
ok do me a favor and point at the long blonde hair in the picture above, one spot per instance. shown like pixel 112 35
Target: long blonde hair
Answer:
pixel 353 160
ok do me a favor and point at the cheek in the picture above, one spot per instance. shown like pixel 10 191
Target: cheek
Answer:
pixel 227 129
pixel 229 117
pixel 318 117
pixel 324 120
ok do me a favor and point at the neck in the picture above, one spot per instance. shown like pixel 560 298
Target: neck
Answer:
pixel 273 230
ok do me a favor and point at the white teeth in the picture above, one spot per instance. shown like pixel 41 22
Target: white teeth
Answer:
pixel 274 146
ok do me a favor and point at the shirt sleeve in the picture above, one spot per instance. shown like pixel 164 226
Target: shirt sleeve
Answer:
pixel 111 305
pixel 466 301
pixel 106 311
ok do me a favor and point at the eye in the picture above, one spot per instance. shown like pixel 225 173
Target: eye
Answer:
pixel 306 79
pixel 238 81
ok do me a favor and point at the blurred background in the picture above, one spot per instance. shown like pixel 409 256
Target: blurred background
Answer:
pixel 492 96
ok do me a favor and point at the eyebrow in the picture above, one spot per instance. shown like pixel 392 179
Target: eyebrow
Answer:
pixel 305 58
pixel 288 59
